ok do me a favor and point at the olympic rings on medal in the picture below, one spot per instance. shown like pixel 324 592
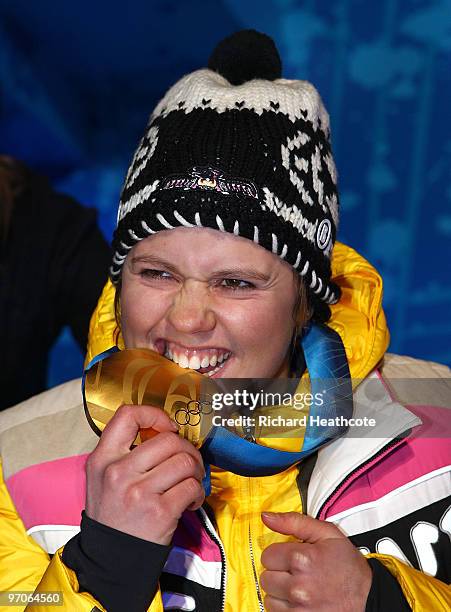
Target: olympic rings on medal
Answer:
pixel 191 413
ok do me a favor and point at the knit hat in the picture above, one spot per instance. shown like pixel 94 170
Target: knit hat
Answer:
pixel 236 148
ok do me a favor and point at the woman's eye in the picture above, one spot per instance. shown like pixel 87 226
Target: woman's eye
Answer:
pixel 236 283
pixel 155 274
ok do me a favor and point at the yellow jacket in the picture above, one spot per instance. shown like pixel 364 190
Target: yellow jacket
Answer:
pixel 237 501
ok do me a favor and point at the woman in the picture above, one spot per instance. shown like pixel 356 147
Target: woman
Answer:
pixel 222 260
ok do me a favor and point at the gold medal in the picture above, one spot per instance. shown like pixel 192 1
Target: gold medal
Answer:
pixel 144 377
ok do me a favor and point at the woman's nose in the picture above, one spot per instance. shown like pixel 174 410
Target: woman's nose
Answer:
pixel 191 310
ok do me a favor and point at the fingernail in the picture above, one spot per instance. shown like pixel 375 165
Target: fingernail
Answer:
pixel 175 426
pixel 270 515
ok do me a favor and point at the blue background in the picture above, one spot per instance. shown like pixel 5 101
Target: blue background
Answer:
pixel 79 79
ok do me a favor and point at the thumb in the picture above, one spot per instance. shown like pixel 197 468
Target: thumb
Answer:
pixel 301 526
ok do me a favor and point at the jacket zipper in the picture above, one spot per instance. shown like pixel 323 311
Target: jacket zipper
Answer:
pixel 214 536
pixel 362 468
pixel 257 587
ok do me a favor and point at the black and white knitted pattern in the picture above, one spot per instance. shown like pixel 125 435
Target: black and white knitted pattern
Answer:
pixel 251 159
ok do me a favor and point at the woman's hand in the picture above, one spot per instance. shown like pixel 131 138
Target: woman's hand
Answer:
pixel 143 491
pixel 324 571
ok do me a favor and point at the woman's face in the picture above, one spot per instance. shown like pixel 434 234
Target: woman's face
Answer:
pixel 209 300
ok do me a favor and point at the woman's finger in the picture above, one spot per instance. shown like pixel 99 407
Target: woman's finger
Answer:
pixel 122 429
pixel 286 557
pixel 276 584
pixel 154 452
pixel 274 604
pixel 188 493
pixel 174 470
pixel 283 585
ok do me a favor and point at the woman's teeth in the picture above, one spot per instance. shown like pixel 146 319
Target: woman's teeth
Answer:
pixel 216 369
pixel 195 363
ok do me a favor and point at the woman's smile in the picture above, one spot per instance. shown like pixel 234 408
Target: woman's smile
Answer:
pixel 206 360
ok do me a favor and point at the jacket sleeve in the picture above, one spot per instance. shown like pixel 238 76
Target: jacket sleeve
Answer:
pixel 22 560
pixel 25 566
pixel 58 577
pixel 109 565
pixel 385 592
pixel 422 592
